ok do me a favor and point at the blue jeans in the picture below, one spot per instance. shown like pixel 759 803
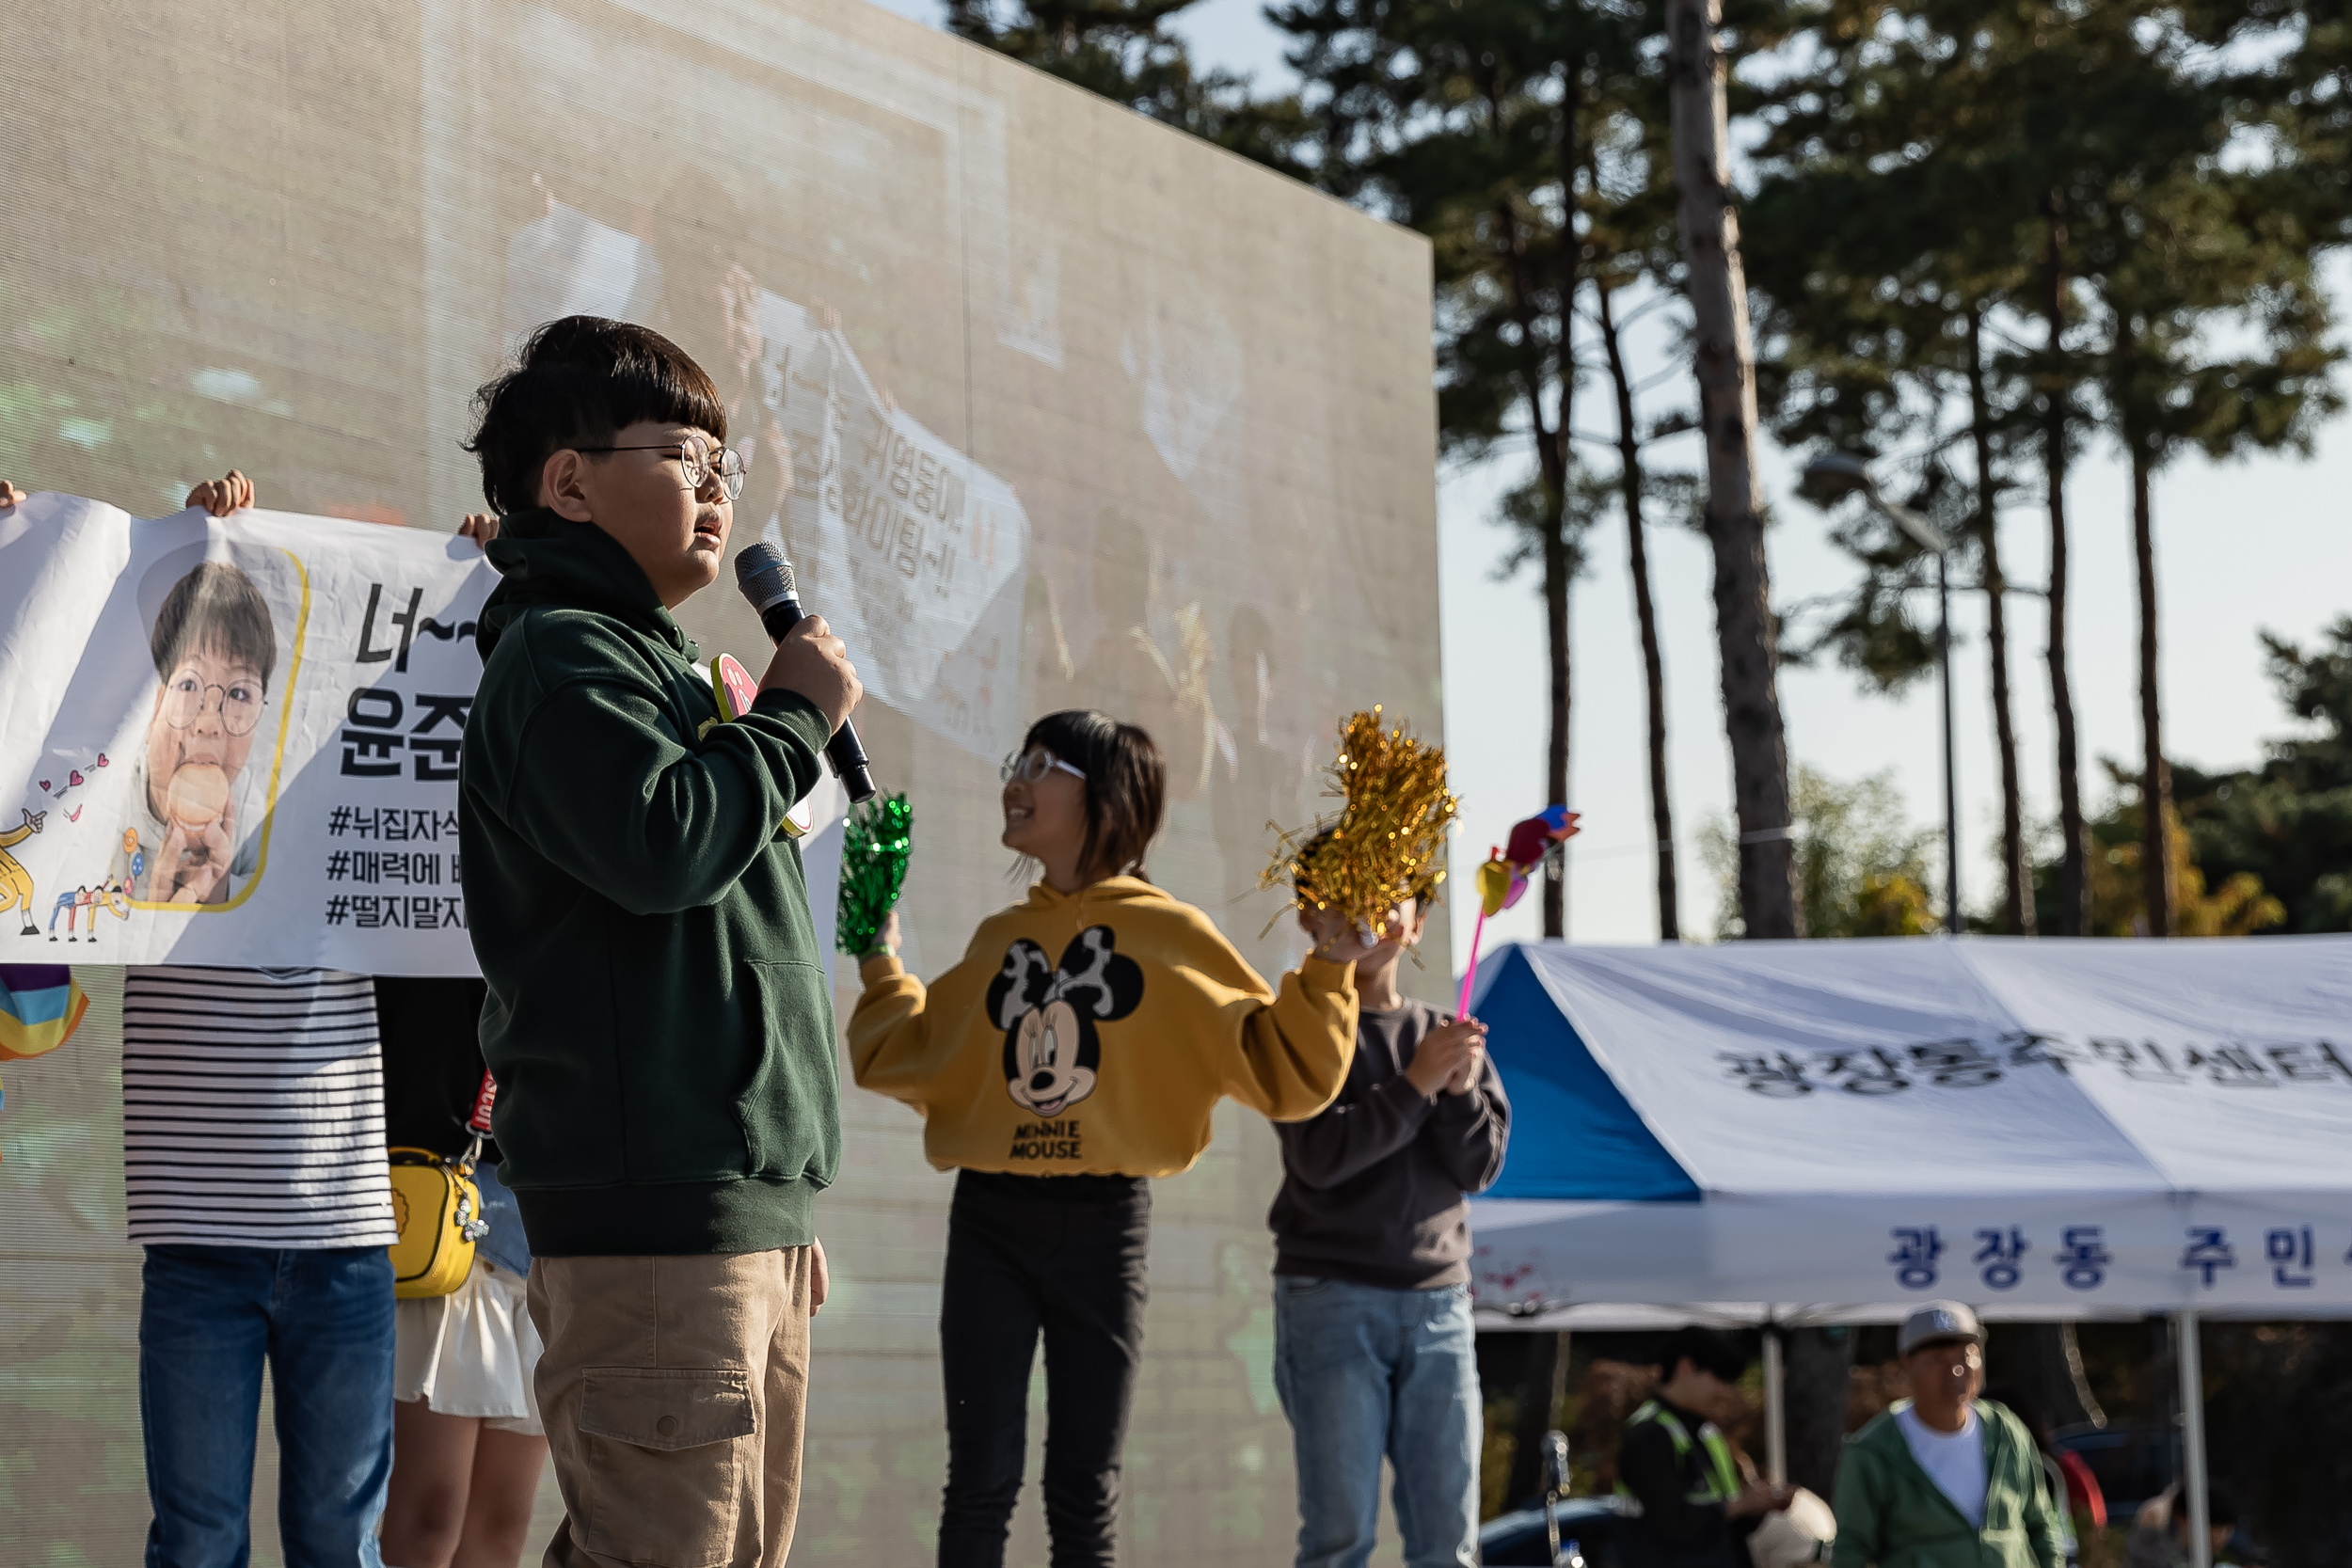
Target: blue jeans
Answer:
pixel 208 1317
pixel 1366 1372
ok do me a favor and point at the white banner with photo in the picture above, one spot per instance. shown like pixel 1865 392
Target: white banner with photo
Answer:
pixel 233 742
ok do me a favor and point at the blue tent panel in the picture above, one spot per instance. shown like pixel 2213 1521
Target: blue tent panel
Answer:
pixel 1573 1135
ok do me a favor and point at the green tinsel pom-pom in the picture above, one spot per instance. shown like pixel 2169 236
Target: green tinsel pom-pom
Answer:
pixel 876 841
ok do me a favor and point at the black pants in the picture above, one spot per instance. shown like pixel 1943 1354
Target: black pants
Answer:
pixel 1065 1255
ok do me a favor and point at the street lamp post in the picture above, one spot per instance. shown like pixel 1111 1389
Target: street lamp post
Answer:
pixel 1838 474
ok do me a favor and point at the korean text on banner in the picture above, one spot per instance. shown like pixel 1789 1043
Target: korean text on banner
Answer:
pixel 232 740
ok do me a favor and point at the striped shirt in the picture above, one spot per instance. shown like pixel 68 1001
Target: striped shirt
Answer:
pixel 253 1108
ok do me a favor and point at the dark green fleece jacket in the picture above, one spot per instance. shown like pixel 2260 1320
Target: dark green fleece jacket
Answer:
pixel 658 1020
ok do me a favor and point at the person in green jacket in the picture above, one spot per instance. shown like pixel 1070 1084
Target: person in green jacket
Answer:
pixel 658 1020
pixel 1944 1479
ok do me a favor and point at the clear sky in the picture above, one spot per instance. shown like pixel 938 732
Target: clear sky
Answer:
pixel 2240 548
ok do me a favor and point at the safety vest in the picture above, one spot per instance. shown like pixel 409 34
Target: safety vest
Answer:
pixel 1718 1478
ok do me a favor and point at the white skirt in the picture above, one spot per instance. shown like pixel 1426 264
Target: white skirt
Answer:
pixel 472 1353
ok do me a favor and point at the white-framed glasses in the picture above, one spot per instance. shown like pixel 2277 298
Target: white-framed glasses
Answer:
pixel 1033 765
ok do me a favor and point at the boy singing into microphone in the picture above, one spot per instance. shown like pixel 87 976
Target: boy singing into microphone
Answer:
pixel 658 1020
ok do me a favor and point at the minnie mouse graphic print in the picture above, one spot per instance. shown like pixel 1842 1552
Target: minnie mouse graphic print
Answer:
pixel 1052 1053
pixel 1092 1032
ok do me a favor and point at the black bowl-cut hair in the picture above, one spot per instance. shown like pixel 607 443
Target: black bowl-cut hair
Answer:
pixel 215 607
pixel 579 382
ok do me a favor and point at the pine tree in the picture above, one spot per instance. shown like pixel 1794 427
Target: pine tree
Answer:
pixel 1884 247
pixel 2165 231
pixel 1124 50
pixel 2209 252
pixel 1634 486
pixel 1747 632
pixel 1467 122
pixel 1629 240
pixel 1950 147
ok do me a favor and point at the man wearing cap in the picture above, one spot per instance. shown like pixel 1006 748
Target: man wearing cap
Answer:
pixel 1944 1479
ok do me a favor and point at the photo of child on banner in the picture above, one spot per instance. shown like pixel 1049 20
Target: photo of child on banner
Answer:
pixel 170 802
pixel 215 648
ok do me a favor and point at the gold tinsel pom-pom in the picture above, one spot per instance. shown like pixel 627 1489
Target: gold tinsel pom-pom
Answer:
pixel 1388 837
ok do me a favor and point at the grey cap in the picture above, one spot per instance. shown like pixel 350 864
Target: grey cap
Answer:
pixel 1936 1322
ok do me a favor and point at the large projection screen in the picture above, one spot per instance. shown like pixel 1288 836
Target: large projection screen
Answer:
pixel 1051 405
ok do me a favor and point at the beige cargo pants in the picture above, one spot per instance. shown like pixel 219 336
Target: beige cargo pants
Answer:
pixel 672 1390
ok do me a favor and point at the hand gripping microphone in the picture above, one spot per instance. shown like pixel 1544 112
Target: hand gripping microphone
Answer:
pixel 766 579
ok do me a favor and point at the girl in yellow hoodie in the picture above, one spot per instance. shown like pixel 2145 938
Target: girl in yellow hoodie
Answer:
pixel 1076 1052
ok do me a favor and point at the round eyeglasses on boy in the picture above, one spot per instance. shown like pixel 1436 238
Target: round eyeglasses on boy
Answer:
pixel 698 461
pixel 240 702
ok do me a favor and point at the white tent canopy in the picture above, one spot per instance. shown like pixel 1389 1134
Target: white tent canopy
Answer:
pixel 1814 1131
pixel 1827 1131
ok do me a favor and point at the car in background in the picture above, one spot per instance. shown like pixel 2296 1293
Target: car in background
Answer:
pixel 2132 1461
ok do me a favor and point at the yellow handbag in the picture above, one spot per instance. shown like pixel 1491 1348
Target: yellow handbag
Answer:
pixel 437 1210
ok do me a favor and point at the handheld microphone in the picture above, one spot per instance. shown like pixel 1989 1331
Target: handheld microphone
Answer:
pixel 766 579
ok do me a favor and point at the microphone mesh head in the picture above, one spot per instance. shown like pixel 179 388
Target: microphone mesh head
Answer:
pixel 763 574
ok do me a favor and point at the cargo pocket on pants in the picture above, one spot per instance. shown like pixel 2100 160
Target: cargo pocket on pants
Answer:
pixel 666 1462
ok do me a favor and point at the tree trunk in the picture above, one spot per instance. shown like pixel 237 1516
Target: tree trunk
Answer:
pixel 1551 438
pixel 1556 751
pixel 1556 568
pixel 2155 774
pixel 1744 628
pixel 1820 1368
pixel 1559 563
pixel 1653 666
pixel 2074 836
pixel 1543 1384
pixel 2016 889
